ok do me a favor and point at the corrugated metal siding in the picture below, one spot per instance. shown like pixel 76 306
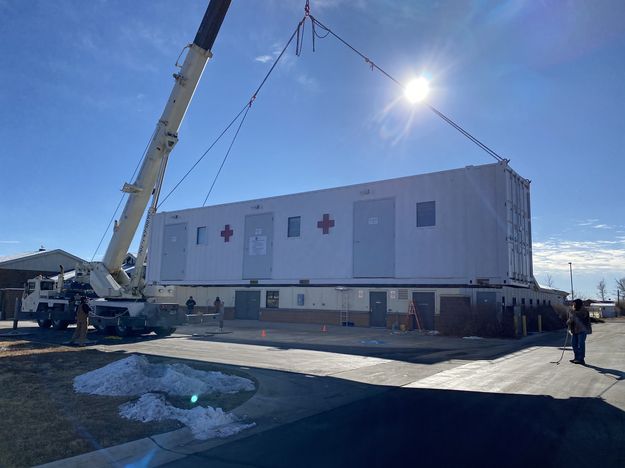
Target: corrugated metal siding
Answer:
pixel 519 228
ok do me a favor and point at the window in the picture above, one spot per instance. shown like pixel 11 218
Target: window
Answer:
pixel 47 285
pixel 514 301
pixel 201 236
pixel 273 299
pixel 294 224
pixel 522 301
pixel 530 301
pixel 426 214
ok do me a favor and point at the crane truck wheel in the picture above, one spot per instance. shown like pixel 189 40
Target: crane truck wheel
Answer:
pixel 123 330
pixel 103 329
pixel 44 323
pixel 164 331
pixel 60 324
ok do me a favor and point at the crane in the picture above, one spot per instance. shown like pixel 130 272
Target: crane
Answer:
pixel 125 302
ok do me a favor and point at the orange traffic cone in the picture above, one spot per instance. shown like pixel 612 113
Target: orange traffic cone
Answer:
pixel 324 329
pixel 263 333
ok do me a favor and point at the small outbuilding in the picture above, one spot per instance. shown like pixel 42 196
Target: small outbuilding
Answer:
pixel 602 309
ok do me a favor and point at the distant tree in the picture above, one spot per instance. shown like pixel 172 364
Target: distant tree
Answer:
pixel 549 280
pixel 601 289
pixel 620 288
pixel 581 295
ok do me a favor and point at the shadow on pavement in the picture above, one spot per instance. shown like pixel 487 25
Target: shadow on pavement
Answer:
pixel 60 337
pixel 424 350
pixel 433 349
pixel 437 428
pixel 372 425
pixel 617 374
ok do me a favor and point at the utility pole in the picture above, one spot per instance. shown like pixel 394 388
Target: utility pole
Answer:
pixel 571 272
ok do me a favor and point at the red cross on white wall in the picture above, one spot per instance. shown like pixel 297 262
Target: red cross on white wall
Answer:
pixel 326 223
pixel 227 233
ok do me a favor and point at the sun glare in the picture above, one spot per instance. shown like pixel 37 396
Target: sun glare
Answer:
pixel 417 90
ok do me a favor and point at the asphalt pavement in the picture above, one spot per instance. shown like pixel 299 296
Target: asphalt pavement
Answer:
pixel 367 397
pixel 519 409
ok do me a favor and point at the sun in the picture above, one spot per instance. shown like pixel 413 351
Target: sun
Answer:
pixel 417 90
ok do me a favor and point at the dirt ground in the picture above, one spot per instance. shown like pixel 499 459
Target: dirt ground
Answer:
pixel 43 419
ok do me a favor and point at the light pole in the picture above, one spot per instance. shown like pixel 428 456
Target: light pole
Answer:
pixel 571 272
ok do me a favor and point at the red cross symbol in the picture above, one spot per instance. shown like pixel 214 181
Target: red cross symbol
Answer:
pixel 325 224
pixel 227 233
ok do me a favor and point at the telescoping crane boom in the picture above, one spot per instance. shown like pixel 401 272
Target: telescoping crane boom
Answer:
pixel 107 277
pixel 126 303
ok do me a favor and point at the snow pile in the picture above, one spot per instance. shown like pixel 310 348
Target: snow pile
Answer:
pixel 472 338
pixel 135 375
pixel 204 422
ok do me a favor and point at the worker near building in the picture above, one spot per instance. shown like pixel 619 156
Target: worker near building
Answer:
pixel 190 305
pixel 82 322
pixel 219 310
pixel 579 326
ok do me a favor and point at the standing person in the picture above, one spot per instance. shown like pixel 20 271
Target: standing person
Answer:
pixel 82 316
pixel 219 310
pixel 190 305
pixel 579 325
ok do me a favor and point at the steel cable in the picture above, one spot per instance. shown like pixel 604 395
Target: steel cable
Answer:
pixel 373 65
pixel 243 111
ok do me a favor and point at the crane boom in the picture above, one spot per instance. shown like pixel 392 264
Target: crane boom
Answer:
pixel 106 277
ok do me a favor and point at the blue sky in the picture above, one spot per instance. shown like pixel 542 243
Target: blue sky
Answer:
pixel 83 83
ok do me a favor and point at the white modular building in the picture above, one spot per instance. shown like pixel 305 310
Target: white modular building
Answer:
pixel 359 253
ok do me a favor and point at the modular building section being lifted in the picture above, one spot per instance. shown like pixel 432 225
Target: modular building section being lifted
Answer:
pixel 356 253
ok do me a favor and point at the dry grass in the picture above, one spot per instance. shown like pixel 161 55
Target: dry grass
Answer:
pixel 44 420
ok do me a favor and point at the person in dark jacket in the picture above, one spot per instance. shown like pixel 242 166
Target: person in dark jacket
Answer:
pixel 190 305
pixel 82 317
pixel 219 310
pixel 579 326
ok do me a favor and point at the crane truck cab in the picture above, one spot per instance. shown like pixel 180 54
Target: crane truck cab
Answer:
pixel 46 303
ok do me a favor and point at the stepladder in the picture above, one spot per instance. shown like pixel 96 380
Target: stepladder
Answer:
pixel 344 314
pixel 413 311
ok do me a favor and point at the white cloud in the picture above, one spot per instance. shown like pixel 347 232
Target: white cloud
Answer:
pixel 308 82
pixel 263 58
pixel 331 4
pixel 602 226
pixel 589 256
pixel 587 222
pixel 9 242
